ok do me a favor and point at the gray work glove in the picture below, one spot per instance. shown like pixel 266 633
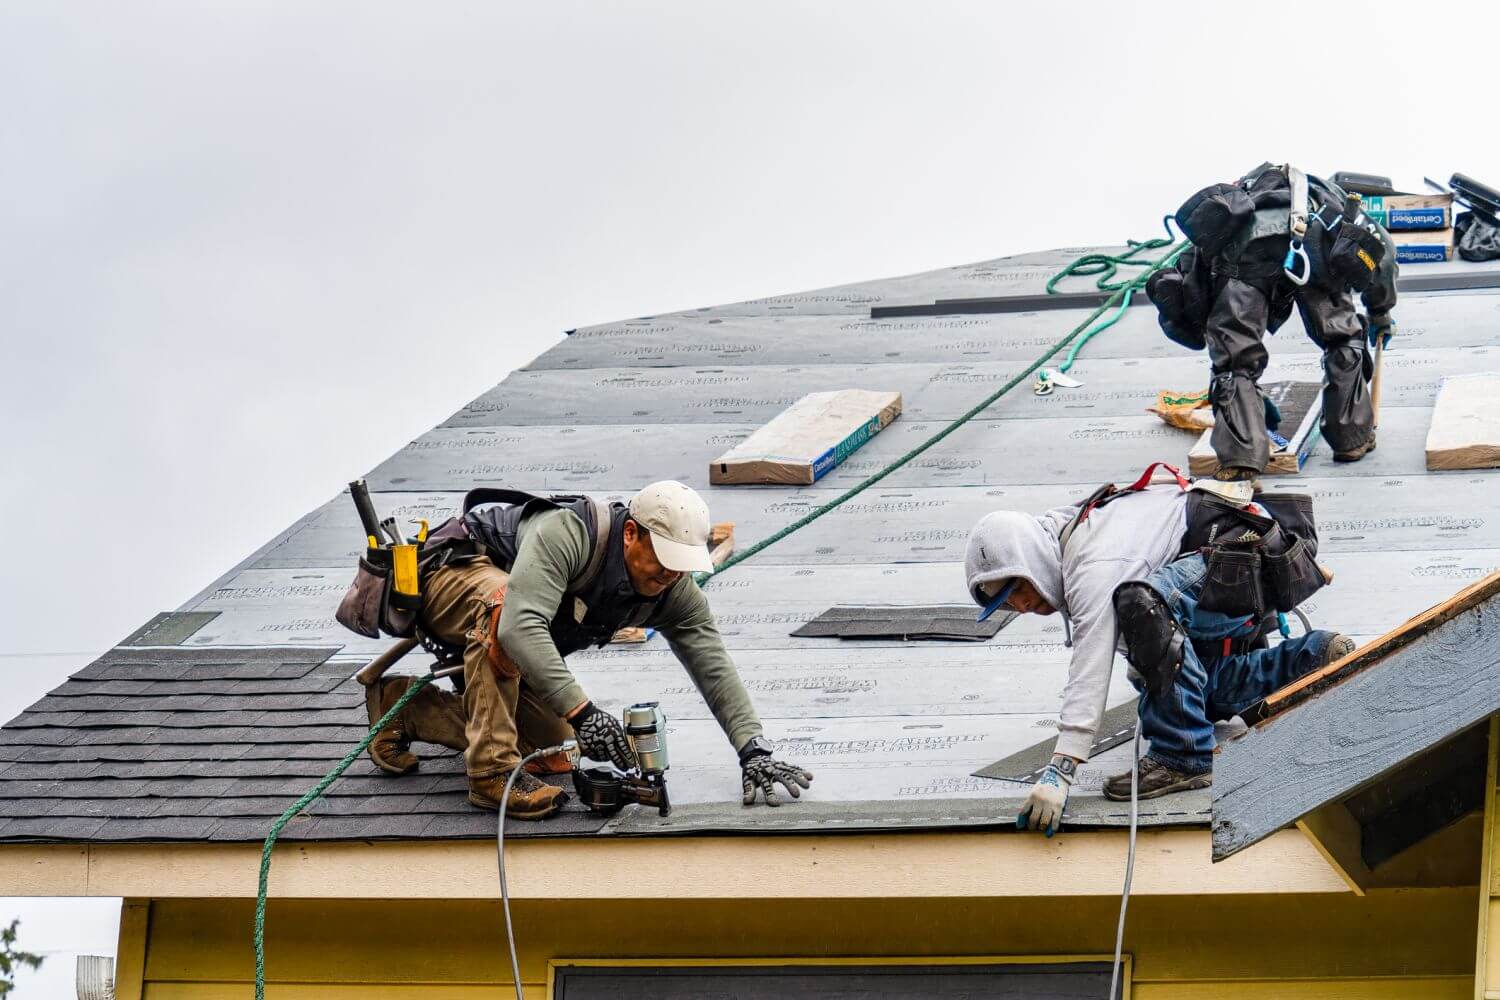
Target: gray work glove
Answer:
pixel 602 737
pixel 1043 809
pixel 762 772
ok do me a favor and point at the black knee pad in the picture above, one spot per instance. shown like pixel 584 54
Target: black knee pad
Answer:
pixel 1154 642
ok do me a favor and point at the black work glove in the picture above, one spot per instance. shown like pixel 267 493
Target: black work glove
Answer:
pixel 762 771
pixel 602 737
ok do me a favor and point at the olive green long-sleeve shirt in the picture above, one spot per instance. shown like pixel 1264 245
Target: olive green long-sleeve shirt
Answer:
pixel 552 548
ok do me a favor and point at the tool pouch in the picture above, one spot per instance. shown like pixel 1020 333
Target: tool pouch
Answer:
pixel 1181 300
pixel 1214 216
pixel 1232 585
pixel 360 610
pixel 1355 256
pixel 373 604
pixel 1291 575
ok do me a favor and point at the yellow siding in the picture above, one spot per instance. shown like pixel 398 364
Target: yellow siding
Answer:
pixel 1404 944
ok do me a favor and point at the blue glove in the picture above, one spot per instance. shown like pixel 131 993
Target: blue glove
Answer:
pixel 1043 809
pixel 1382 328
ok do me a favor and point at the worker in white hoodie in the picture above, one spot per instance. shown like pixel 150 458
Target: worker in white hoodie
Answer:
pixel 1124 581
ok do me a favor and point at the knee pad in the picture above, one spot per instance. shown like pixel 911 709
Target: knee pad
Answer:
pixel 1154 641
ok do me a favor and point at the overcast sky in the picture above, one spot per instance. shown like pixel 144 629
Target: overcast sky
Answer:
pixel 249 250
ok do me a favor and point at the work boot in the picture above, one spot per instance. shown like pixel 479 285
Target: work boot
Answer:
pixel 530 798
pixel 1355 454
pixel 555 763
pixel 1154 642
pixel 1339 647
pixel 1154 779
pixel 432 716
pixel 391 747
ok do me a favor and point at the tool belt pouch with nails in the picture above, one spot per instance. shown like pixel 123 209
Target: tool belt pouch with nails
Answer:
pixel 1255 563
pixel 1214 216
pixel 1232 584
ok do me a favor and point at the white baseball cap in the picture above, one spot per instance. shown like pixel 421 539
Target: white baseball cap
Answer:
pixel 677 518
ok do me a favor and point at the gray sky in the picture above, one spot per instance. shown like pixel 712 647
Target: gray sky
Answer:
pixel 249 250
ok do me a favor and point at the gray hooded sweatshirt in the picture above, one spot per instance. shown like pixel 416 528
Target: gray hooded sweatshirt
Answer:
pixel 1127 539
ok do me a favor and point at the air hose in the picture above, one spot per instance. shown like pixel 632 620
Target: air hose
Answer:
pixel 1105 265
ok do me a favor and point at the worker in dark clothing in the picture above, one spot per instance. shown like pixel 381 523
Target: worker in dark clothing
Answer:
pixel 1275 239
pixel 552 576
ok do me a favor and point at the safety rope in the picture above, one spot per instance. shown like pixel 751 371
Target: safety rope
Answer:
pixel 1106 266
pixel 313 793
pixel 1121 293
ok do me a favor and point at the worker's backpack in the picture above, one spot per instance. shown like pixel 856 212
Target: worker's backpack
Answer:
pixel 1261 557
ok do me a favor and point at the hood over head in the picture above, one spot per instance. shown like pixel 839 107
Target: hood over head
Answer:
pixel 1010 543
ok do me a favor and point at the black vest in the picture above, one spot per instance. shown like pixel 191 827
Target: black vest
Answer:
pixel 592 613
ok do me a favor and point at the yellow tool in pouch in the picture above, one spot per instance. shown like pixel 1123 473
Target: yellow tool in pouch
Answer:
pixel 404 562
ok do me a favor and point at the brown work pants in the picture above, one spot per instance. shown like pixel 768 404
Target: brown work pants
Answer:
pixel 504 719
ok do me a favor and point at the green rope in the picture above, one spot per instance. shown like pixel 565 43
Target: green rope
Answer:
pixel 1106 266
pixel 1122 292
pixel 313 793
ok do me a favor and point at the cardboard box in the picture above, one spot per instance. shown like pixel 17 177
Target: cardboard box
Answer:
pixel 1410 211
pixel 1422 246
pixel 808 439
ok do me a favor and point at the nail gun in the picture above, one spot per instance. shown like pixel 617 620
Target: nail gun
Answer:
pixel 606 791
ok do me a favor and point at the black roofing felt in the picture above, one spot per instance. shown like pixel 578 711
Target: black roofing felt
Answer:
pixel 208 721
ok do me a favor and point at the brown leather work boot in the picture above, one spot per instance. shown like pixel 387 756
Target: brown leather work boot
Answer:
pixel 1154 779
pixel 433 716
pixel 529 797
pixel 390 749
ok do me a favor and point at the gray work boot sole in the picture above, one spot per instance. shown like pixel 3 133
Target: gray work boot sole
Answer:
pixel 1154 780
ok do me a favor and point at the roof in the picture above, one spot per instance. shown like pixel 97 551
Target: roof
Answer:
pixel 205 728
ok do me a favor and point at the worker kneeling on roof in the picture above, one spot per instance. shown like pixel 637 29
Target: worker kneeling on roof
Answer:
pixel 534 579
pixel 1140 568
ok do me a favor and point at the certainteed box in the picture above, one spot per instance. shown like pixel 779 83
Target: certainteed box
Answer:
pixel 808 439
pixel 1410 211
pixel 1418 246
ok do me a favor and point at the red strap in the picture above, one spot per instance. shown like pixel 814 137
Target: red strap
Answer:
pixel 1227 646
pixel 1145 479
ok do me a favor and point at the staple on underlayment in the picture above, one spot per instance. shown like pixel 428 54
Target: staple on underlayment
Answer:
pixel 808 439
pixel 1301 408
pixel 1465 430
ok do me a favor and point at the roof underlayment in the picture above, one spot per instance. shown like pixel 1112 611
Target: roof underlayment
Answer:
pixel 211 733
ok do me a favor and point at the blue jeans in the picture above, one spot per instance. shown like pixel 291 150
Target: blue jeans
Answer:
pixel 1180 726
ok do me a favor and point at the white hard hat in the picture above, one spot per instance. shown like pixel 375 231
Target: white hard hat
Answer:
pixel 677 518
